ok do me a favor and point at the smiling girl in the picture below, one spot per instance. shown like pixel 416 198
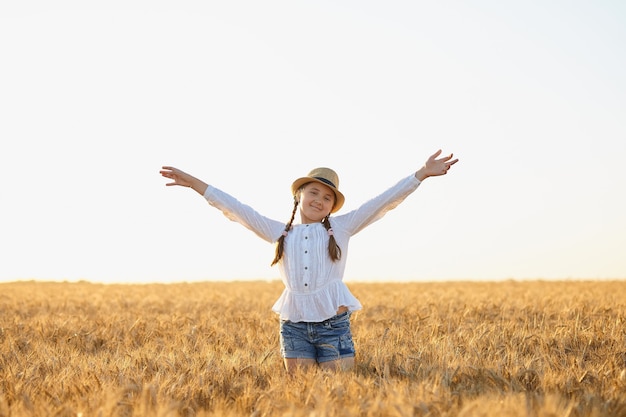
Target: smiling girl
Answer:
pixel 316 305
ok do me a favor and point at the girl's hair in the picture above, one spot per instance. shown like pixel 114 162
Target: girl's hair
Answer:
pixel 280 244
pixel 334 251
pixel 333 248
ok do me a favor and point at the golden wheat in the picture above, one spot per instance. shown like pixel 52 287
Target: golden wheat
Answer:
pixel 207 349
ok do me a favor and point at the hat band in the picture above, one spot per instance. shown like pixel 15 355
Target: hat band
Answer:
pixel 325 181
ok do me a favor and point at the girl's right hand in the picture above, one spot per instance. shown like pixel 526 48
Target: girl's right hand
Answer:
pixel 180 178
pixel 183 179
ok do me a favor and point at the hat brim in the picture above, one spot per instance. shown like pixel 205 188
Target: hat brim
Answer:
pixel 339 197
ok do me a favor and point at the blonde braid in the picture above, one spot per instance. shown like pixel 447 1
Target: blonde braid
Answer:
pixel 333 248
pixel 280 243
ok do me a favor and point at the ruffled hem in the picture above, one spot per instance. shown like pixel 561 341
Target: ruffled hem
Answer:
pixel 315 307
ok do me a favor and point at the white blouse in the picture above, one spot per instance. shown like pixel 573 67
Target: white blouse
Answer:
pixel 314 287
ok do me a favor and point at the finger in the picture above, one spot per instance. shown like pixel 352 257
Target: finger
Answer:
pixel 435 155
pixel 446 158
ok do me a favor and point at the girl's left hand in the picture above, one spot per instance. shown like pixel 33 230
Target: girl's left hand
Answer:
pixel 435 167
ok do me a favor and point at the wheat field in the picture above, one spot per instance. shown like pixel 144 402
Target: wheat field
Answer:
pixel 466 349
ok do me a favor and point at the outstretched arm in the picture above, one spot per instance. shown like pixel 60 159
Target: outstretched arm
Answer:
pixel 183 179
pixel 435 167
pixel 234 210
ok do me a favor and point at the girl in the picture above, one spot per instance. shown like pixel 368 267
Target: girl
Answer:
pixel 311 255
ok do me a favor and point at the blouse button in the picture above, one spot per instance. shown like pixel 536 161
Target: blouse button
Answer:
pixel 306 285
pixel 306 267
pixel 306 251
pixel 306 237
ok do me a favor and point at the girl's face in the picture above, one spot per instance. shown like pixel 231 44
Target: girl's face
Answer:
pixel 316 202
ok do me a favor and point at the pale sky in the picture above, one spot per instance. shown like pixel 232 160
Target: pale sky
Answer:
pixel 95 96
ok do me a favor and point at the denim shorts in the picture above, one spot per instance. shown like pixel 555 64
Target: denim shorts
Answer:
pixel 324 341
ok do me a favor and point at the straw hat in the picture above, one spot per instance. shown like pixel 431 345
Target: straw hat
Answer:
pixel 324 176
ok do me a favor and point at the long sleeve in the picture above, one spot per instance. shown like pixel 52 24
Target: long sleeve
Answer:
pixel 374 209
pixel 264 227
